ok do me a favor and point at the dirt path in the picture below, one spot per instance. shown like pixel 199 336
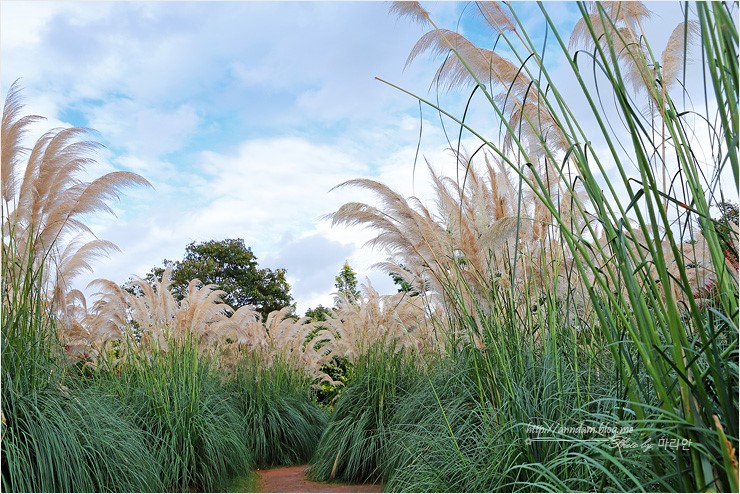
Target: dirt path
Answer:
pixel 293 479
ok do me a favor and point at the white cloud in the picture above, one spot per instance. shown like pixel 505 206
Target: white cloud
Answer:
pixel 144 132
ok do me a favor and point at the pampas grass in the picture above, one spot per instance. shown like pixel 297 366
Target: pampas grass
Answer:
pixel 560 280
pixel 52 425
pixel 282 419
pixel 356 438
pixel 591 312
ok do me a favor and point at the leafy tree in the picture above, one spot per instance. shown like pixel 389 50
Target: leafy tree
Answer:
pixel 403 285
pixel 232 266
pixel 320 313
pixel 729 216
pixel 346 282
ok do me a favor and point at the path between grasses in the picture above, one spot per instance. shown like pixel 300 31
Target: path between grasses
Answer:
pixel 293 479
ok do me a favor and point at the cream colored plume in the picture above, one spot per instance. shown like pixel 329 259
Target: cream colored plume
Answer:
pixel 44 199
pixel 460 254
pixel 394 321
pixel 496 16
pixel 465 65
pixel 484 65
pixel 413 10
pixel 674 55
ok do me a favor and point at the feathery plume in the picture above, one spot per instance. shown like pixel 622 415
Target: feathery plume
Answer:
pixel 674 56
pixel 414 10
pixel 495 16
pixel 47 204
pixel 14 127
pixel 485 65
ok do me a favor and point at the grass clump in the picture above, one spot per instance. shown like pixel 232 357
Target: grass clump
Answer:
pixel 281 417
pixel 60 439
pixel 58 433
pixel 197 431
pixel 355 440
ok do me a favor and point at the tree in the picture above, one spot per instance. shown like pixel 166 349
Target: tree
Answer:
pixel 403 285
pixel 233 267
pixel 346 283
pixel 319 314
pixel 729 216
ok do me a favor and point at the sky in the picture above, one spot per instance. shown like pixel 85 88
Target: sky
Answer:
pixel 243 116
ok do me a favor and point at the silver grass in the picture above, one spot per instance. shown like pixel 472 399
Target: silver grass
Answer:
pixel 44 201
pixel 396 322
pixel 243 328
pixel 14 128
pixel 512 89
pixel 487 66
pixel 673 58
pixel 201 308
pixel 495 16
pixel 461 253
pixel 76 258
pixel 413 10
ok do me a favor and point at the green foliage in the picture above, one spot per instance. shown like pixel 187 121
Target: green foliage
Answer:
pixel 346 283
pixel 340 370
pixel 320 313
pixel 455 432
pixel 355 440
pixel 178 399
pixel 232 266
pixel 282 420
pixel 403 285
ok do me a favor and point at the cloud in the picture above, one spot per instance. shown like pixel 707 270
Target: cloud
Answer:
pixel 271 192
pixel 311 262
pixel 144 132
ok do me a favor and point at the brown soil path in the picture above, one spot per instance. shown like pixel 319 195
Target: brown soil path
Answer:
pixel 293 479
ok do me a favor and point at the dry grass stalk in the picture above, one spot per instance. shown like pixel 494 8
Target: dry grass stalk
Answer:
pixel 467 247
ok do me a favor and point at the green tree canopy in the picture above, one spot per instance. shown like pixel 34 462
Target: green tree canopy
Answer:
pixel 346 283
pixel 232 266
pixel 320 313
pixel 403 285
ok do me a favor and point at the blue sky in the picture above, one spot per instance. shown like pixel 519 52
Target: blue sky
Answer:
pixel 242 115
